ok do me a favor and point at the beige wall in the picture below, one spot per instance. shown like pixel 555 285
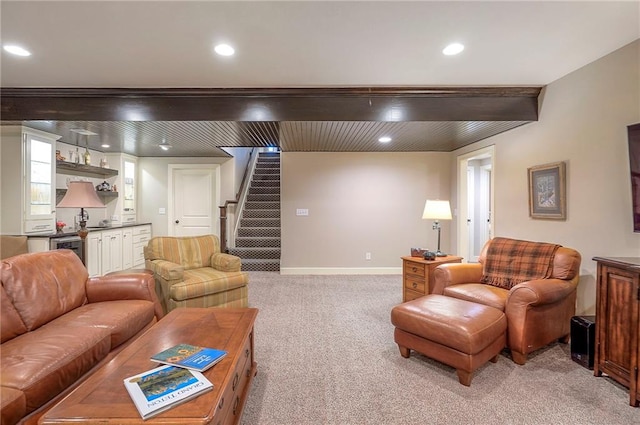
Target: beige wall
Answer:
pixel 358 203
pixel 154 182
pixel 583 121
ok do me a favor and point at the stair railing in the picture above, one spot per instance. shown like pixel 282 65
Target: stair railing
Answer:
pixel 223 209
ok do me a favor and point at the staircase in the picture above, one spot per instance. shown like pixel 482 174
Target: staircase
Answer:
pixel 258 237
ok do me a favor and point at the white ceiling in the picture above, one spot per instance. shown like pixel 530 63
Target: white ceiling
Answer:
pixel 306 43
pixel 298 44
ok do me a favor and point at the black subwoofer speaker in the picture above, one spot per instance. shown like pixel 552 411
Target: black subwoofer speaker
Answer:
pixel 583 339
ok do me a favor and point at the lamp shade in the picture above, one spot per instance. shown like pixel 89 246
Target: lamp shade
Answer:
pixel 81 194
pixel 437 210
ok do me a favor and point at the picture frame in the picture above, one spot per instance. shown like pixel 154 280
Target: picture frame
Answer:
pixel 547 191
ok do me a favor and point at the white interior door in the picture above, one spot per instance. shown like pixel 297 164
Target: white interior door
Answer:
pixel 194 196
pixel 475 202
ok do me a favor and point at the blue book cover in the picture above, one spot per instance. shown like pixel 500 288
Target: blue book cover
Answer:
pixel 190 356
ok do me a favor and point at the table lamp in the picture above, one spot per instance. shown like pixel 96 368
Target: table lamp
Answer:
pixel 81 194
pixel 437 210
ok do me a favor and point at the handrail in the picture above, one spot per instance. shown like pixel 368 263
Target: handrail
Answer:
pixel 223 208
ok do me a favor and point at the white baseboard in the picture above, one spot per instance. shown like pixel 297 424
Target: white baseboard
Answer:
pixel 340 270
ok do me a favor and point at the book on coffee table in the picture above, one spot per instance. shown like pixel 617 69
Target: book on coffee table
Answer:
pixel 190 356
pixel 164 387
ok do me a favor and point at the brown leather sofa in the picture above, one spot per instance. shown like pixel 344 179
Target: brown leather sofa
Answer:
pixel 58 325
pixel 538 311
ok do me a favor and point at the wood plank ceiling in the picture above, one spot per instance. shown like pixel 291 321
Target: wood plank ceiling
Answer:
pixel 199 122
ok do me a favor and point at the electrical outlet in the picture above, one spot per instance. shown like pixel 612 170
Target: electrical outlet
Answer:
pixel 367 256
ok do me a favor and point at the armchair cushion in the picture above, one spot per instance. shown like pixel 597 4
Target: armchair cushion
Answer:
pixel 512 261
pixel 225 262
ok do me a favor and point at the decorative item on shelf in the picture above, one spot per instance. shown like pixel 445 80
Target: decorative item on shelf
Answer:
pixel 60 225
pixel 103 187
pixel 418 252
pixel 59 156
pixel 72 155
pixel 104 163
pixel 437 210
pixel 87 157
pixel 114 188
pixel 81 194
pixel 76 158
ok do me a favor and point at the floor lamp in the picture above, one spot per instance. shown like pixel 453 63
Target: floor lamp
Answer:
pixel 437 210
pixel 81 194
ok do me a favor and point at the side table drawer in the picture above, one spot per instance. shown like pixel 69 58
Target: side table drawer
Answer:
pixel 414 268
pixel 415 284
pixel 412 295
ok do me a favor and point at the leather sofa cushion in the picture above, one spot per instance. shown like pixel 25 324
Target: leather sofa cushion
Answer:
pixel 14 405
pixel 122 319
pixel 481 293
pixel 206 281
pixel 58 278
pixel 58 359
pixel 10 322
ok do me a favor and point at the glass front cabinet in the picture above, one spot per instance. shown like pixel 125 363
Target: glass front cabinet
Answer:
pixel 28 181
pixel 126 184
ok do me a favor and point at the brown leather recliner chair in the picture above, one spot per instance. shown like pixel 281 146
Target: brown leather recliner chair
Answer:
pixel 538 311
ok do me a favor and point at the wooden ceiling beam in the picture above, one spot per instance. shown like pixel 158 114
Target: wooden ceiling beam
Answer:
pixel 384 104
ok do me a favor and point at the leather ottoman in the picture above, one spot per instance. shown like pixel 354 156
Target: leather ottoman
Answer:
pixel 458 333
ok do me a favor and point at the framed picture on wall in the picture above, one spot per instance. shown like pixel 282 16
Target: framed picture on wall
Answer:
pixel 547 189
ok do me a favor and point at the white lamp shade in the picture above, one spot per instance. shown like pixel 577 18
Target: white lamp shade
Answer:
pixel 437 210
pixel 81 194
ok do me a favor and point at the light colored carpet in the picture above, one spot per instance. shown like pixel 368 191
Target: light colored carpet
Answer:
pixel 325 352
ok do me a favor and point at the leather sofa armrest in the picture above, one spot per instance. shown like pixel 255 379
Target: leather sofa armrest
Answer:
pixel 124 286
pixel 455 273
pixel 540 292
pixel 226 262
pixel 166 269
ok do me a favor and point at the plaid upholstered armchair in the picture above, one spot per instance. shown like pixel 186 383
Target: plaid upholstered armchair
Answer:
pixel 533 283
pixel 192 272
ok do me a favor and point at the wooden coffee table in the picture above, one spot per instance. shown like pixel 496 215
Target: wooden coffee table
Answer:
pixel 102 398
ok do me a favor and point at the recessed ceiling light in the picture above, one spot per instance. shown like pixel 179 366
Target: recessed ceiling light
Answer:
pixel 165 146
pixel 105 145
pixel 16 50
pixel 224 50
pixel 453 49
pixel 384 139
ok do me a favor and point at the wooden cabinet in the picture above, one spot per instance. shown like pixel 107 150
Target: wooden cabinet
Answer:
pixel 28 175
pixel 104 252
pixel 417 275
pixel 617 351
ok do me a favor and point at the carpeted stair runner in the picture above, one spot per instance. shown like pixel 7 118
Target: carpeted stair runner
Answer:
pixel 258 238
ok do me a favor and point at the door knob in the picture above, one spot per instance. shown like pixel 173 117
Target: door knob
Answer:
pixel 177 221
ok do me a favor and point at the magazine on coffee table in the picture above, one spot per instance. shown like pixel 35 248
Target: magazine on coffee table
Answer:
pixel 190 356
pixel 164 387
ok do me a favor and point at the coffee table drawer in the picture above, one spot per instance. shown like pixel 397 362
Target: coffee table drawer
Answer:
pixel 229 407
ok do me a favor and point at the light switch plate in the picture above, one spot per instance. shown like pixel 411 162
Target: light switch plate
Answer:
pixel 302 211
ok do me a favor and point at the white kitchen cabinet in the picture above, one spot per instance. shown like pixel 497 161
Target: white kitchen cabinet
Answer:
pixel 28 180
pixel 125 211
pixel 127 248
pixel 111 251
pixel 141 236
pixel 104 252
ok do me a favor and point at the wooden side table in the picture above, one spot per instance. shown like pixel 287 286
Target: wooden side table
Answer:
pixel 417 275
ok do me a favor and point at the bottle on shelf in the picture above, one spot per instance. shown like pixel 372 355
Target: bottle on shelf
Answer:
pixel 87 157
